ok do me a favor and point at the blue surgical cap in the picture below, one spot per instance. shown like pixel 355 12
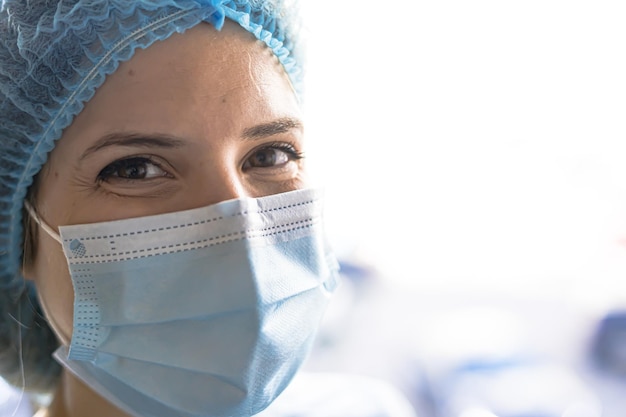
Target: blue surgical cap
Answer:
pixel 54 54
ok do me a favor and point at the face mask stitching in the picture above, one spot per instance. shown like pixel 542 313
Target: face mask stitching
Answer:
pixel 218 240
pixel 130 317
pixel 182 226
pixel 53 234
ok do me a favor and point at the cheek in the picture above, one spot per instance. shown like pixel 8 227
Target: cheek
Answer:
pixel 54 287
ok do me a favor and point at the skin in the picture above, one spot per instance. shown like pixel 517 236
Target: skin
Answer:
pixel 199 118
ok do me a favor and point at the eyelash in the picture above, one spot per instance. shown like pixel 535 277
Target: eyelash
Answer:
pixel 285 147
pixel 108 171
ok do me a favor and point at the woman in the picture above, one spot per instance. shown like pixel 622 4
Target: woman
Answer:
pixel 158 235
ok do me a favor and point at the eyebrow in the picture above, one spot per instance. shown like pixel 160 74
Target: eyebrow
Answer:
pixel 133 139
pixel 272 128
pixel 260 131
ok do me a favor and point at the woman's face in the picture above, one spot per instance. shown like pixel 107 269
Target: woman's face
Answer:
pixel 191 121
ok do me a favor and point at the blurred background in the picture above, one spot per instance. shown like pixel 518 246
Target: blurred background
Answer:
pixel 474 160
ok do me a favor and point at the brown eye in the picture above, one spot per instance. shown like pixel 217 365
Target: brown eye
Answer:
pixel 271 156
pixel 267 158
pixel 131 169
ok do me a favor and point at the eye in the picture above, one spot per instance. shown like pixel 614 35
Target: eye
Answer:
pixel 132 169
pixel 273 155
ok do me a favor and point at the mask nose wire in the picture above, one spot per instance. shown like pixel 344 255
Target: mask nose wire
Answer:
pixel 49 230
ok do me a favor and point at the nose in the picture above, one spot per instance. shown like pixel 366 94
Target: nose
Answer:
pixel 230 187
pixel 220 183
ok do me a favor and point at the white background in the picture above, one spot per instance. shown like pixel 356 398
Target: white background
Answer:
pixel 475 146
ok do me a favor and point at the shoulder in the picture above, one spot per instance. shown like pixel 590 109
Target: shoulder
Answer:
pixel 339 395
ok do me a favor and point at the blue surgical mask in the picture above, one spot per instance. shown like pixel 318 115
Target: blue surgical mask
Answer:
pixel 205 312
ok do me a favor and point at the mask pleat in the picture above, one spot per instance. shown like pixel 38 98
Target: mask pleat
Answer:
pixel 216 330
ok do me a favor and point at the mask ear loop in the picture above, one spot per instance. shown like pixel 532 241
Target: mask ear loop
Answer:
pixel 49 230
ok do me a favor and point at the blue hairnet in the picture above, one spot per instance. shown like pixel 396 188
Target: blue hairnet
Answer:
pixel 54 54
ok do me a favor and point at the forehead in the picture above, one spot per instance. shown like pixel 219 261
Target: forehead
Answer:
pixel 203 73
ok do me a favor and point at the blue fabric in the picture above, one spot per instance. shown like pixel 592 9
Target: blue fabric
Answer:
pixel 55 54
pixel 201 312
